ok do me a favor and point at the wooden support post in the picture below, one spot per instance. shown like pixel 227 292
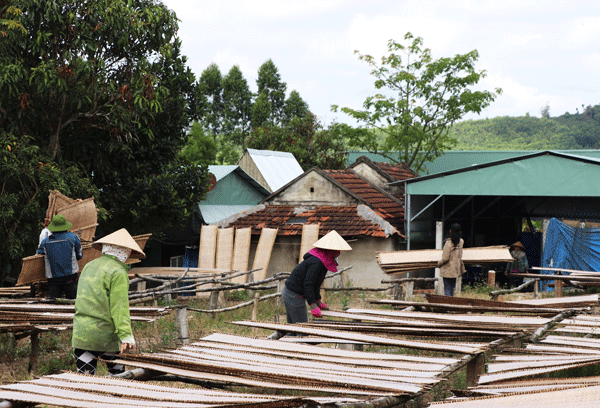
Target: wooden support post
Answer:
pixel 397 291
pixel 491 279
pixel 558 288
pixel 255 309
pixel 168 298
pixel 155 322
pixel 182 325
pixel 35 350
pixel 408 295
pixel 439 242
pixel 344 280
pixel 280 286
pixel 458 287
pixel 250 280
pixel 475 368
pixel 536 289
pixel 141 286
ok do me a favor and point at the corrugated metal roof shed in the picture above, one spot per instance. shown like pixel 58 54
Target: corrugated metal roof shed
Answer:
pixel 277 168
pixel 457 159
pixel 545 173
pixel 235 191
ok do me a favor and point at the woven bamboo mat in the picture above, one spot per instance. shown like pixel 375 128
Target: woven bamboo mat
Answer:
pixel 73 390
pixel 208 246
pixel 262 257
pixel 83 216
pixel 570 301
pixel 451 347
pixel 316 355
pixel 462 320
pixel 579 397
pixel 224 255
pixel 310 235
pixel 321 351
pixel 241 253
pixel 398 262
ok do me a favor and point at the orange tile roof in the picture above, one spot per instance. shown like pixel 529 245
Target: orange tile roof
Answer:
pixel 344 219
pixel 398 171
pixel 392 209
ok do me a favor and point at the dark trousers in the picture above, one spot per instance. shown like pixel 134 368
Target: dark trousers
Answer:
pixel 87 361
pixel 449 285
pixel 66 285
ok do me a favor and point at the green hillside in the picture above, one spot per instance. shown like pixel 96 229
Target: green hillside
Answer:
pixel 566 132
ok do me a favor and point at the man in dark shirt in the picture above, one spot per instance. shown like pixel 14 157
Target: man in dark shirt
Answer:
pixel 62 250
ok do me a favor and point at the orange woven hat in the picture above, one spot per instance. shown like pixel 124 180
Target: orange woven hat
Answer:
pixel 123 239
pixel 334 241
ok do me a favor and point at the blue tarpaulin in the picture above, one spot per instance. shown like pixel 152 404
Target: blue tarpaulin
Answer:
pixel 567 247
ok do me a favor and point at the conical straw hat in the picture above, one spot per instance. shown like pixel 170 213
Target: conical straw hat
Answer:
pixel 123 239
pixel 334 241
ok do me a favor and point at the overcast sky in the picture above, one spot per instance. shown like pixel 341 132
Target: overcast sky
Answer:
pixel 539 52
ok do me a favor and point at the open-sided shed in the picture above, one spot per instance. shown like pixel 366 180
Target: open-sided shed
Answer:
pixel 492 200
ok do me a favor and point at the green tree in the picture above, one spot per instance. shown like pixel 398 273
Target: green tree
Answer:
pixel 261 111
pixel 200 148
pixel 237 101
pixel 210 99
pixel 419 98
pixel 102 88
pixel 306 139
pixel 295 107
pixel 27 175
pixel 270 84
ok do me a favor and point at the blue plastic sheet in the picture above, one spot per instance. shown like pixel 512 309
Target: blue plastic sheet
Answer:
pixel 567 247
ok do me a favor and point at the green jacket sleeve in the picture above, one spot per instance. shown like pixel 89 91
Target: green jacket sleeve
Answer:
pixel 119 307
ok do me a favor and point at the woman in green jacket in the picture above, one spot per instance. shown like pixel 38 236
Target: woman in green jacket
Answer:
pixel 101 325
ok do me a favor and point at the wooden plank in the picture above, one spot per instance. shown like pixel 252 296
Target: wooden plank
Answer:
pixel 241 253
pixel 262 257
pixel 224 248
pixel 310 235
pixel 208 246
pixel 584 299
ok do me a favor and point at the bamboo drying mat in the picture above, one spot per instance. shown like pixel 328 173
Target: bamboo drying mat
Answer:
pixel 75 390
pixel 241 253
pixel 463 320
pixel 276 364
pixel 579 397
pixel 406 261
pixel 224 257
pixel 262 257
pixel 310 235
pixel 451 347
pixel 208 246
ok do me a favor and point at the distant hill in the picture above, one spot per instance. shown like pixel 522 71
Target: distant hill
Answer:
pixel 566 132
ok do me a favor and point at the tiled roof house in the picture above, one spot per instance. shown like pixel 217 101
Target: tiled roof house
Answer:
pixel 368 217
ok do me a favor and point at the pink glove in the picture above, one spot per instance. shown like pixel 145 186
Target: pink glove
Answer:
pixel 323 306
pixel 315 311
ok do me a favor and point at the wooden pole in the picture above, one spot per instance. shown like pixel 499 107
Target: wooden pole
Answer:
pixel 408 294
pixel 280 286
pixel 255 310
pixel 439 240
pixel 182 325
pixel 35 350
pixel 250 280
pixel 558 288
pixel 491 279
pixel 475 368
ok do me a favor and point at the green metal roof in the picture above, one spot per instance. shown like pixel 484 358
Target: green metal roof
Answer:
pixel 545 173
pixel 457 159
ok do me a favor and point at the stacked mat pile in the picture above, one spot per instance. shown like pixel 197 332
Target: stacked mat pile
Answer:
pixel 399 262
